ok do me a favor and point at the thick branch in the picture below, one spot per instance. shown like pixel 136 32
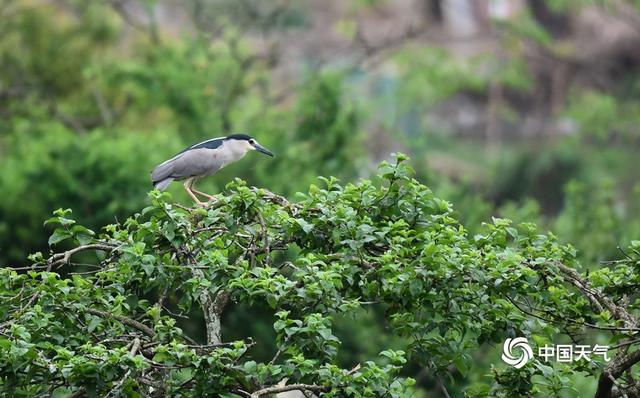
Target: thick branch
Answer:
pixel 623 360
pixel 614 370
pixel 598 299
pixel 632 391
pixel 212 307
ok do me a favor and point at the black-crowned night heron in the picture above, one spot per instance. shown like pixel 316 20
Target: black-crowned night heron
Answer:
pixel 203 159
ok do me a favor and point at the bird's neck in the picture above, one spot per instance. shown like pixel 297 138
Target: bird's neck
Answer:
pixel 234 151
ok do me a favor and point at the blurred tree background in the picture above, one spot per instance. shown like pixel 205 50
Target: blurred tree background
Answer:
pixel 522 109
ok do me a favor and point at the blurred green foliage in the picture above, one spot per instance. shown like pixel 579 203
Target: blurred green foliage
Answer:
pixel 84 124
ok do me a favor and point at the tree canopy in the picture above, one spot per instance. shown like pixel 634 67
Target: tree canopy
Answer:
pixel 111 326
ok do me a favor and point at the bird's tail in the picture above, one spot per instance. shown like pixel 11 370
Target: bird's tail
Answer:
pixel 163 184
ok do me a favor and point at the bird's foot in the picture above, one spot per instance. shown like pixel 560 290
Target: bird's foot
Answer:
pixel 205 195
pixel 208 203
pixel 210 198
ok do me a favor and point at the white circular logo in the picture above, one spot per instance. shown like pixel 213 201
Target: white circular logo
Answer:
pixel 510 345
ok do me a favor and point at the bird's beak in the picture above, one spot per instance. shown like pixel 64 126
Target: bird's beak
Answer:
pixel 262 149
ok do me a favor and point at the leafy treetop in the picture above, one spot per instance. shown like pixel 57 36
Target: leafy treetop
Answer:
pixel 389 244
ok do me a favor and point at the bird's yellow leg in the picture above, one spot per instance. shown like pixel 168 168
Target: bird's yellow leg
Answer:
pixel 206 195
pixel 187 187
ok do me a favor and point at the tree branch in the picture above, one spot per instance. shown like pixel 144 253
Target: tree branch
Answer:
pixel 123 319
pixel 63 258
pixel 622 360
pixel 212 308
pixel 290 387
pixel 116 388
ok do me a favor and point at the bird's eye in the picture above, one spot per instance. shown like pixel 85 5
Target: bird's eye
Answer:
pixel 252 142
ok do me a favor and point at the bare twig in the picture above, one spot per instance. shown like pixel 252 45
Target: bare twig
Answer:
pixel 123 319
pixel 135 346
pixel 31 301
pixel 265 237
pixel 290 387
pixel 354 370
pixel 564 320
pixel 63 258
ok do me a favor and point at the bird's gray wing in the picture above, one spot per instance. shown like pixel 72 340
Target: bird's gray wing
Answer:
pixel 192 163
pixel 162 171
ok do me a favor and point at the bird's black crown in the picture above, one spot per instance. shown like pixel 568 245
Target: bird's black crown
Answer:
pixel 238 137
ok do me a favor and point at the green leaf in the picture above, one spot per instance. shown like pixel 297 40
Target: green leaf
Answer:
pixel 94 322
pixel 59 235
pixel 306 227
